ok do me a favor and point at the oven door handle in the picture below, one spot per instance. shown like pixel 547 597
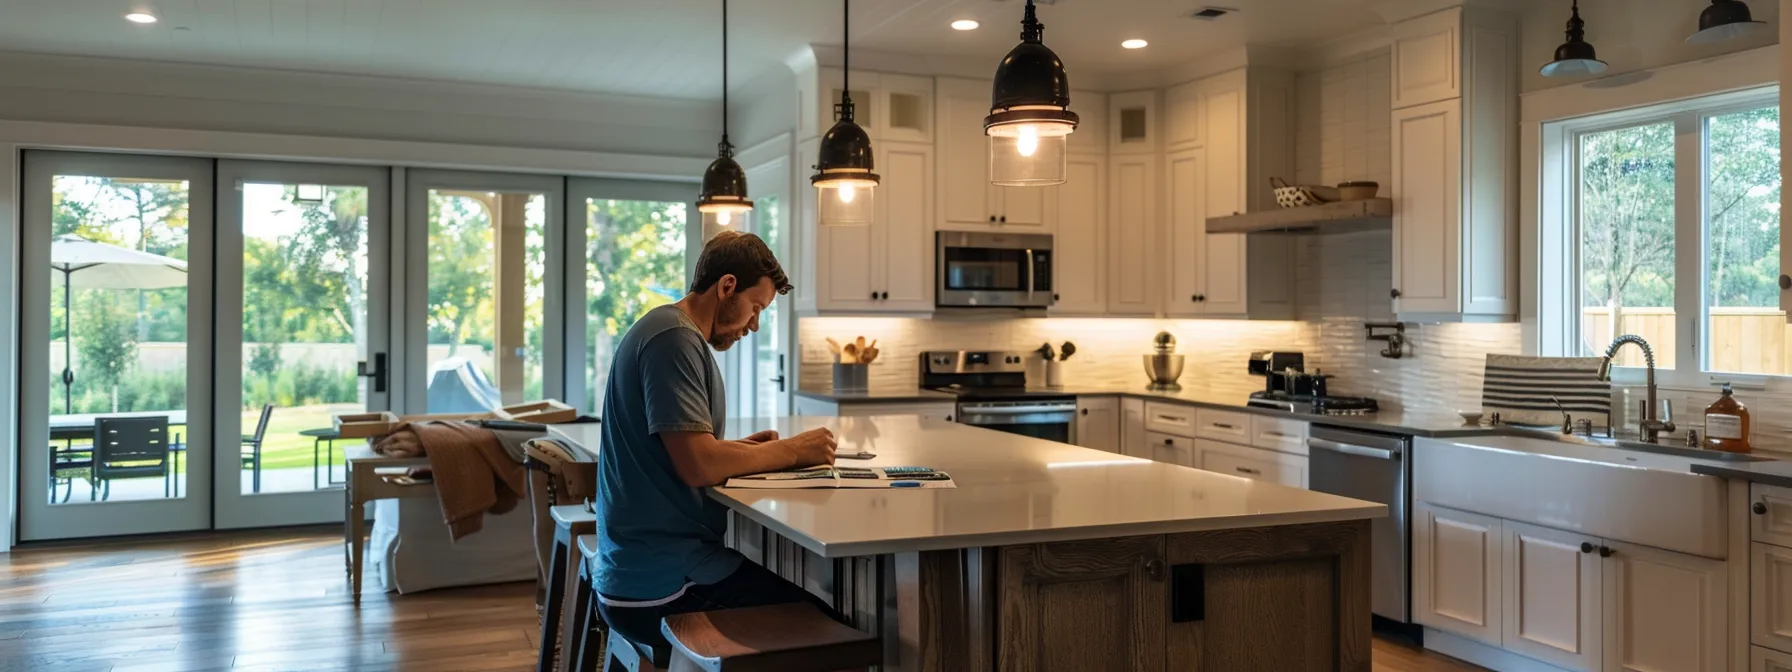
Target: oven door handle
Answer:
pixel 1016 410
pixel 1348 449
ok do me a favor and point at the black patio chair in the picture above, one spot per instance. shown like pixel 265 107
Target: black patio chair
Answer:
pixel 252 445
pixel 130 447
pixel 66 463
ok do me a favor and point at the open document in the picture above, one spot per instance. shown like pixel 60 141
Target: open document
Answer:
pixel 845 477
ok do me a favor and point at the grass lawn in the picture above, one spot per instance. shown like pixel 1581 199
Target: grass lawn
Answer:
pixel 282 447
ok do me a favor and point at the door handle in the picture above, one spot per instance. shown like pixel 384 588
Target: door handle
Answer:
pixel 377 373
pixel 1348 449
pixel 1030 280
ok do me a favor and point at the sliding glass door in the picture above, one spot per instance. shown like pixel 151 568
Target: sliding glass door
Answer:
pixel 302 314
pixel 115 331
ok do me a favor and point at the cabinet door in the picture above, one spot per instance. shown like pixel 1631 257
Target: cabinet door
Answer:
pixel 1098 423
pixel 1427 187
pixel 1083 605
pixel 904 104
pixel 1132 428
pixel 1080 220
pixel 1770 589
pixel 1770 519
pixel 1551 590
pixel 845 262
pixel 1185 179
pixel 1664 611
pixel 1426 60
pixel 905 257
pixel 1175 450
pixel 1022 208
pixel 1768 660
pixel 1252 463
pixel 964 189
pixel 1132 232
pixel 1456 572
pixel 1182 115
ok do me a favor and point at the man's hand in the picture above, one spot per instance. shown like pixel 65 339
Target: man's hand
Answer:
pixel 814 447
pixel 762 437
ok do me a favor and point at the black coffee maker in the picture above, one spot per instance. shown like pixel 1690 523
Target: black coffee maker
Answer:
pixel 1284 374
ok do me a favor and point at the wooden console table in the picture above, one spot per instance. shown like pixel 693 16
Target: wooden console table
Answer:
pixel 363 486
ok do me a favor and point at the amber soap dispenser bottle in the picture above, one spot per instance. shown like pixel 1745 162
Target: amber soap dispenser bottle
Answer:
pixel 1726 424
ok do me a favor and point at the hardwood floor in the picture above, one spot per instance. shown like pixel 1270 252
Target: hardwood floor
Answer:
pixel 271 601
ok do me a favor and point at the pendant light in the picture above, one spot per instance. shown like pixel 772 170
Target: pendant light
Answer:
pixel 1575 57
pixel 845 186
pixel 724 198
pixel 1725 20
pixel 1030 121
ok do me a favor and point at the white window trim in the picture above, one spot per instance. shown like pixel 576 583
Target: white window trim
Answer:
pixel 1551 119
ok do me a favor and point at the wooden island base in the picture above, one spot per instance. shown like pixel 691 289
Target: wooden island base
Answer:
pixel 1286 598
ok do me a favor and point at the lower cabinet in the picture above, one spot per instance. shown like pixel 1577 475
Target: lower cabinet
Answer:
pixel 1253 463
pixel 1085 605
pixel 1769 660
pixel 1572 600
pixel 1770 584
pixel 1133 442
pixel 1098 423
pixel 1178 450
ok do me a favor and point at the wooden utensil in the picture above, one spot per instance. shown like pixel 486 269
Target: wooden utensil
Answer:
pixel 834 346
pixel 869 354
pixel 849 353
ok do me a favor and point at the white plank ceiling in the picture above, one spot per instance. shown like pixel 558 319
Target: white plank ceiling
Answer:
pixel 666 48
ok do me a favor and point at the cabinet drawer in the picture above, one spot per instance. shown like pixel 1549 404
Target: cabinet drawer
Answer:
pixel 1283 434
pixel 1253 463
pixel 1170 449
pixel 1223 425
pixel 1770 597
pixel 1170 418
pixel 1770 514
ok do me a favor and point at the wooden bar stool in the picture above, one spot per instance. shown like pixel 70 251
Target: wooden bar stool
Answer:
pixel 776 638
pixel 585 646
pixel 570 522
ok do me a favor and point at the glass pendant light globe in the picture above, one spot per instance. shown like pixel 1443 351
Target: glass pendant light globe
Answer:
pixel 1575 57
pixel 1725 20
pixel 723 200
pixel 1029 122
pixel 845 186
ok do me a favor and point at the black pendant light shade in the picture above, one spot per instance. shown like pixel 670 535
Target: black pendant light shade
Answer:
pixel 724 197
pixel 844 181
pixel 1029 116
pixel 1725 20
pixel 1575 57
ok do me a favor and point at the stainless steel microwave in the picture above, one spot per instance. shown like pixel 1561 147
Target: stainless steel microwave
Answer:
pixel 993 270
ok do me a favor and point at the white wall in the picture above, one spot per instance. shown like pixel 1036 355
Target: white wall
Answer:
pixel 1631 35
pixel 83 90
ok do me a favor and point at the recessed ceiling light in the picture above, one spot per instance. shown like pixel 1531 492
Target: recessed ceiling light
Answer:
pixel 965 24
pixel 1134 43
pixel 141 17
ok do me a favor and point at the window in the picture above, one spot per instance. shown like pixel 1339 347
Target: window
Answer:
pixel 1675 236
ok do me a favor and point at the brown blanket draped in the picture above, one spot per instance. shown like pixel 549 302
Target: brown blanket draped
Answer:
pixel 473 473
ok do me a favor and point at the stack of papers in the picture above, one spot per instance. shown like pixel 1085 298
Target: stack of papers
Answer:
pixel 845 477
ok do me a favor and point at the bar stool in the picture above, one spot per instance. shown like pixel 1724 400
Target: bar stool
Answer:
pixel 590 647
pixel 570 522
pixel 780 638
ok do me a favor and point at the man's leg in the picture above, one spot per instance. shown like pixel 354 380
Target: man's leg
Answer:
pixel 749 586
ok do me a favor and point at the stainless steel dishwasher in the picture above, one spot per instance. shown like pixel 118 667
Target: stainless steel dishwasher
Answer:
pixel 1376 468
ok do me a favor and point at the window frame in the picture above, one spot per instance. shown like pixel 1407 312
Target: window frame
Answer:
pixel 1559 312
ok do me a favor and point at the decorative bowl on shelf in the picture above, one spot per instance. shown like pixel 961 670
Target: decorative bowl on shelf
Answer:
pixel 1358 190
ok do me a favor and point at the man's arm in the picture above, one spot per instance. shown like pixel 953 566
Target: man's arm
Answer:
pixel 702 460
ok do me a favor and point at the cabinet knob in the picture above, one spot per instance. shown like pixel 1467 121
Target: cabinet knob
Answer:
pixel 1760 508
pixel 1004 219
pixel 992 219
pixel 1084 411
pixel 1169 442
pixel 1201 298
pixel 1606 552
pixel 874 296
pixel 886 296
pixel 1054 296
pixel 1586 547
pixel 1785 281
pixel 948 418
pixel 1155 569
pixel 1393 293
pixel 1194 297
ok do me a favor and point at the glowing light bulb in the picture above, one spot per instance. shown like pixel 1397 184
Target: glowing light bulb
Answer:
pixel 1028 140
pixel 847 192
pixel 724 217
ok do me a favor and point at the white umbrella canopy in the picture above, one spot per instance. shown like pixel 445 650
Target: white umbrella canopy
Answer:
pixel 84 264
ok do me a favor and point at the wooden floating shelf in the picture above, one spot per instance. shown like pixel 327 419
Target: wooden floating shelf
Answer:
pixel 1342 216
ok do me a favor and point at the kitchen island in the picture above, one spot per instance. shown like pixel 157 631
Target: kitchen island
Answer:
pixel 1052 557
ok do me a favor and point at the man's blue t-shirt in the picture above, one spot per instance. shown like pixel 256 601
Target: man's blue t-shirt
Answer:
pixel 655 533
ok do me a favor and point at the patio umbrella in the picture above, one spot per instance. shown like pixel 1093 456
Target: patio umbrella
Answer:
pixel 85 264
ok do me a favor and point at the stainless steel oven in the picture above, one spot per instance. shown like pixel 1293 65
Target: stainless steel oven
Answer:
pixel 993 270
pixel 1049 419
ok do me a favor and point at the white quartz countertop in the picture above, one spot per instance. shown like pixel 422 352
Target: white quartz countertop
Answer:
pixel 1011 490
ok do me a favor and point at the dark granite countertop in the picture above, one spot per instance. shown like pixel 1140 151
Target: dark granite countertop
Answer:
pixel 1772 473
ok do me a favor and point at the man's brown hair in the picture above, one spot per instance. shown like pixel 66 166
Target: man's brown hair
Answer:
pixel 742 255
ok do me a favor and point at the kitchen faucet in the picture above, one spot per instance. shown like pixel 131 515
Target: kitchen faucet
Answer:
pixel 1649 426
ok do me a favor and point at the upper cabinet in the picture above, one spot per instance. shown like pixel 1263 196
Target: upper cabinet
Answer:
pixel 1078 208
pixel 885 267
pixel 967 200
pixel 1132 122
pixel 1455 84
pixel 887 106
pixel 1133 258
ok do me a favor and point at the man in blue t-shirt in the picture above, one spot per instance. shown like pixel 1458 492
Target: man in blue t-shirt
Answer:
pixel 664 411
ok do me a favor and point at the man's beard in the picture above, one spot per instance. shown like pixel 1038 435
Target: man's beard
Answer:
pixel 728 313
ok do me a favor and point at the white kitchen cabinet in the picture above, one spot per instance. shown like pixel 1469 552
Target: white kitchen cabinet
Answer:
pixel 1182 116
pixel 1079 216
pixel 1770 590
pixel 1098 423
pixel 1252 463
pixel 1285 435
pixel 967 200
pixel 886 266
pixel 1663 611
pixel 1454 167
pixel 1184 190
pixel 1168 449
pixel 1170 418
pixel 936 410
pixel 1132 428
pixel 1218 425
pixel 1132 122
pixel 1768 660
pixel 1133 252
pixel 888 106
pixel 1091 136
pixel 1551 596
pixel 1770 519
pixel 1457 572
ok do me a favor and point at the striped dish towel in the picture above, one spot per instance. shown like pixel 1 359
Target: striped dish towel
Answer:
pixel 1519 389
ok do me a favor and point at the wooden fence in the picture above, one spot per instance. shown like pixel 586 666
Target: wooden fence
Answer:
pixel 1743 340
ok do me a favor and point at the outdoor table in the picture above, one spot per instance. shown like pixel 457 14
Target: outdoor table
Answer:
pixel 75 426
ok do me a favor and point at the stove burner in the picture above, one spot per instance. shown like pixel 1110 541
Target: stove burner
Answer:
pixel 1318 405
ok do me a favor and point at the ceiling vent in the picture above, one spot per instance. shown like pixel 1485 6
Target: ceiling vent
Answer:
pixel 1211 13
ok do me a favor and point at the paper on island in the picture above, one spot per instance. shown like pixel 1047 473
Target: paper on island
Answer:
pixel 895 478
